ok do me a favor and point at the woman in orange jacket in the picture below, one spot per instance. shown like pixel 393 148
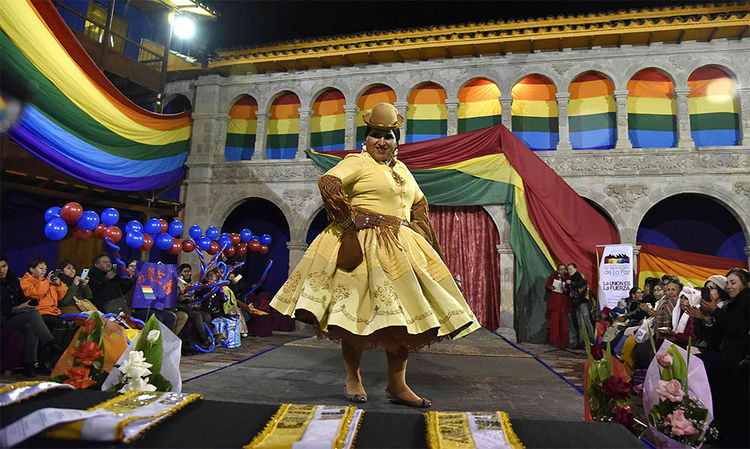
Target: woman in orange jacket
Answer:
pixel 48 290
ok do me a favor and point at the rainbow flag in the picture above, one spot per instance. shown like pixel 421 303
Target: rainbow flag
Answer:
pixel 714 113
pixel 591 112
pixel 534 112
pixel 693 268
pixel 549 222
pixel 241 130
pixel 479 105
pixel 283 127
pixel 367 100
pixel 148 292
pixel 652 121
pixel 427 117
pixel 78 121
pixel 328 123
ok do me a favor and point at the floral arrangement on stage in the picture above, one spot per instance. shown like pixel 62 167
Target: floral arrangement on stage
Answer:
pixel 678 412
pixel 607 386
pixel 88 359
pixel 140 370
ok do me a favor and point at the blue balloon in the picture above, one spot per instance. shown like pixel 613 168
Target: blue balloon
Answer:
pixel 52 213
pixel 110 216
pixel 164 241
pixel 224 234
pixel 212 233
pixel 265 239
pixel 255 237
pixel 195 232
pixel 175 228
pixel 88 221
pixel 134 239
pixel 246 235
pixel 134 226
pixel 204 243
pixel 55 229
pixel 153 227
pixel 224 240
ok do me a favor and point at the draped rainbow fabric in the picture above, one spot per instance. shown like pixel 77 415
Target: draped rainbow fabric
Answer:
pixel 714 113
pixel 78 121
pixel 652 120
pixel 370 98
pixel 328 122
pixel 656 261
pixel 427 117
pixel 479 105
pixel 549 221
pixel 241 130
pixel 534 112
pixel 591 112
pixel 283 127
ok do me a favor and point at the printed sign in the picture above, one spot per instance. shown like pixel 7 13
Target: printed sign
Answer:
pixel 155 286
pixel 615 274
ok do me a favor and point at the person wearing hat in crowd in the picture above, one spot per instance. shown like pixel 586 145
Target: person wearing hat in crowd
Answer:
pixel 376 277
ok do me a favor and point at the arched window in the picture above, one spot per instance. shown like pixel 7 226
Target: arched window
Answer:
pixel 240 143
pixel 534 112
pixel 591 112
pixel 328 123
pixel 428 114
pixel 714 118
pixel 652 120
pixel 479 105
pixel 283 127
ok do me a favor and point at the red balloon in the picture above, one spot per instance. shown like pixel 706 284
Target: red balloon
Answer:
pixel 148 242
pixel 114 233
pixel 241 250
pixel 214 248
pixel 100 230
pixel 235 238
pixel 164 225
pixel 229 252
pixel 176 248
pixel 263 249
pixel 80 234
pixel 71 212
pixel 187 246
pixel 254 245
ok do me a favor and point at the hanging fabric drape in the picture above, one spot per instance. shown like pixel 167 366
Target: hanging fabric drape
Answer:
pixel 77 121
pixel 656 261
pixel 549 222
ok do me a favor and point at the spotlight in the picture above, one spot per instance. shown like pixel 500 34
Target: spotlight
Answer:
pixel 184 28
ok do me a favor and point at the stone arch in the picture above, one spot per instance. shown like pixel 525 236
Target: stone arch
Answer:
pixel 228 203
pixel 722 197
pixel 425 100
pixel 323 88
pixel 267 105
pixel 471 77
pixel 378 82
pixel 237 97
pixel 689 69
pixel 632 70
pixel 538 73
pixel 569 79
pixel 307 223
pixel 239 143
pixel 180 98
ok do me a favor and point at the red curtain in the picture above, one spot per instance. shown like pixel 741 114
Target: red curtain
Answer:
pixel 469 240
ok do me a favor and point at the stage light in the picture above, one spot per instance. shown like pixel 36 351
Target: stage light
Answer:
pixel 184 28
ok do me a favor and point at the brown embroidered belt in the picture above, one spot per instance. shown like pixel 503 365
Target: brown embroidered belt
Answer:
pixel 364 219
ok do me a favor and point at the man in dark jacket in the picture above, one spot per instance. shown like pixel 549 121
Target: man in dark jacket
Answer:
pixel 108 288
pixel 578 290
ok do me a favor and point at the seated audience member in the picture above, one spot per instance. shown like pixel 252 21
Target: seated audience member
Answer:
pixel 18 313
pixel 618 325
pixel 221 305
pixel 185 281
pixel 682 323
pixel 48 290
pixel 603 323
pixel 109 289
pixel 648 290
pixel 77 288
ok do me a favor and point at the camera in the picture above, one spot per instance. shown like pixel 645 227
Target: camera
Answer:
pixel 706 294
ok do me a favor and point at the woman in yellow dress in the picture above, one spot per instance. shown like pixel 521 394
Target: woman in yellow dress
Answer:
pixel 375 277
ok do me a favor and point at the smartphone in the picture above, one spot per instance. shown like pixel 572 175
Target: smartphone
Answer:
pixel 56 273
pixel 84 273
pixel 663 329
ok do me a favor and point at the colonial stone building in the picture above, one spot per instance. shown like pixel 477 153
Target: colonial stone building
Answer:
pixel 624 178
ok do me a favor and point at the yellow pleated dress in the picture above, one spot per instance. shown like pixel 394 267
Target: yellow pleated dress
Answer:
pixel 402 294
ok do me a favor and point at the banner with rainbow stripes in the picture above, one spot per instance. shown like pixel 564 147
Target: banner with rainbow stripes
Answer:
pixel 427 117
pixel 328 122
pixel 283 127
pixel 549 221
pixel 652 121
pixel 591 112
pixel 78 121
pixel 693 268
pixel 714 112
pixel 534 113
pixel 241 130
pixel 479 105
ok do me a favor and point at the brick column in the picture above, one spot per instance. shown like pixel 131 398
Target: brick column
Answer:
pixel 563 145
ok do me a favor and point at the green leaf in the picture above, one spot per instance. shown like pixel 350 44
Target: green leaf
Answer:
pixel 151 351
pixel 679 367
pixel 98 334
pixel 60 378
pixel 586 340
pixel 160 382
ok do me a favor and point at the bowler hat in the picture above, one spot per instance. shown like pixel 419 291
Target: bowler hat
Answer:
pixel 383 116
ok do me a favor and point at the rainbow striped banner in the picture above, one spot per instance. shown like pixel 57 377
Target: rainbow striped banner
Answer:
pixel 693 268
pixel 534 113
pixel 652 119
pixel 714 113
pixel 479 105
pixel 370 98
pixel 427 117
pixel 283 127
pixel 492 166
pixel 78 121
pixel 241 130
pixel 328 123
pixel 591 112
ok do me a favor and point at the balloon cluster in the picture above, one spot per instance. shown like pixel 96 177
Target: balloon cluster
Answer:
pixel 165 235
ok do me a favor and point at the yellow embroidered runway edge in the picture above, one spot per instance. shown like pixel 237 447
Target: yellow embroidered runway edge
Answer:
pixel 470 430
pixel 294 422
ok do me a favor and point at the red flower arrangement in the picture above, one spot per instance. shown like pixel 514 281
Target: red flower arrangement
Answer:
pixel 78 376
pixel 87 354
